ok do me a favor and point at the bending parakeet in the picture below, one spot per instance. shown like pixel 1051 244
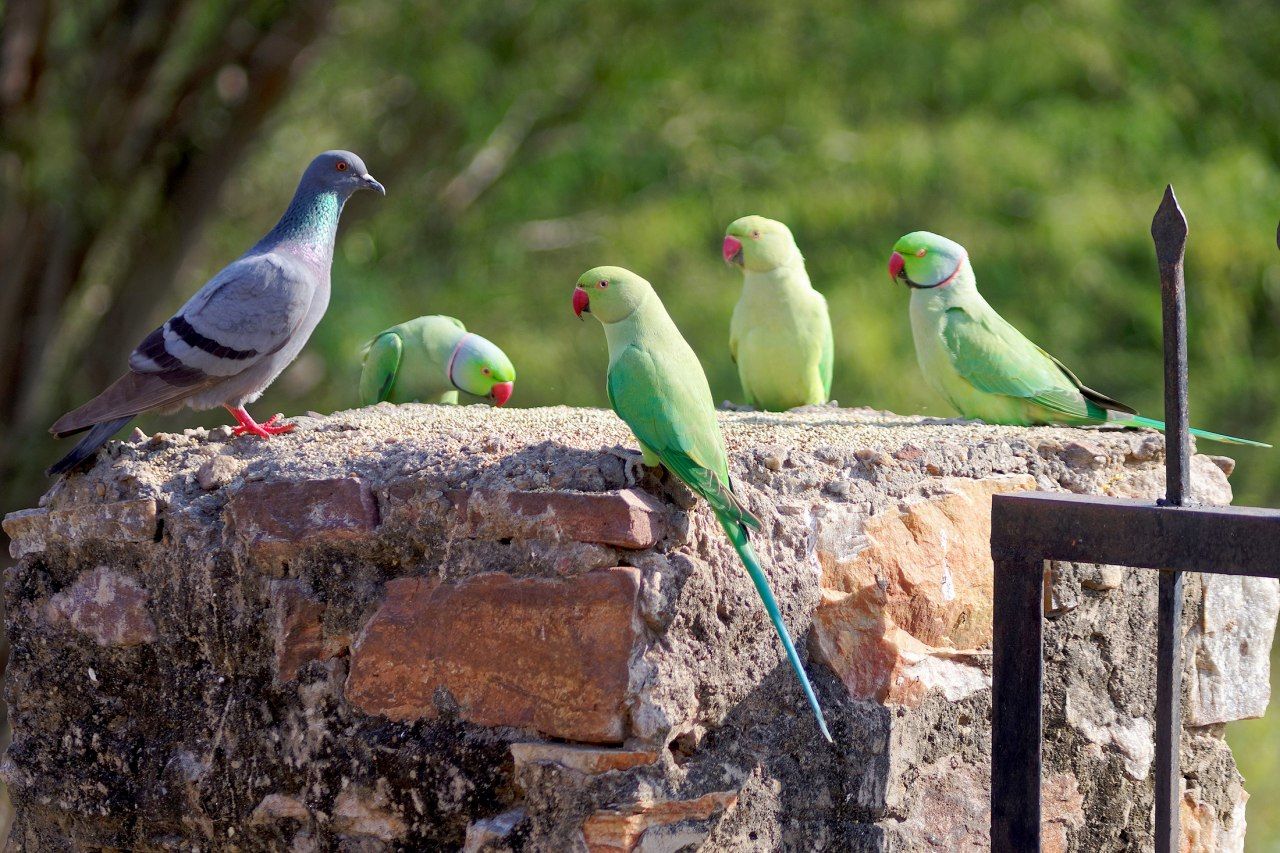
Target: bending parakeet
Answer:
pixel 234 336
pixel 780 335
pixel 429 360
pixel 981 364
pixel 657 387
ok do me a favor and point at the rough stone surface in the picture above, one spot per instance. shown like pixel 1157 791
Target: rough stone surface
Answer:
pixel 430 628
pixel 105 605
pixel 1233 655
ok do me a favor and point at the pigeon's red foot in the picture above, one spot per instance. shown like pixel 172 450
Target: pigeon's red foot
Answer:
pixel 248 426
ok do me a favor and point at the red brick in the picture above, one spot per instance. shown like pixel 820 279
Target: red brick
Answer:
pixel 297 628
pixel 625 519
pixel 622 829
pixel 547 654
pixel 105 605
pixel 589 760
pixel 274 519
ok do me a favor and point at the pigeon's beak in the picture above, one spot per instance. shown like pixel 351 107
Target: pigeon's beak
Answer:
pixel 501 392
pixel 581 302
pixel 896 266
pixel 371 183
pixel 732 250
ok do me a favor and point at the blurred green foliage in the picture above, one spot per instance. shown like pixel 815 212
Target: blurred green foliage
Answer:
pixel 522 143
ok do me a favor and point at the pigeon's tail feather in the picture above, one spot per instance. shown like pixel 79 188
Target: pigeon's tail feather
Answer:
pixel 127 396
pixel 738 536
pixel 1138 420
pixel 88 446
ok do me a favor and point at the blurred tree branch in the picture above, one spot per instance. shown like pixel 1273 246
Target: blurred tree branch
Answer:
pixel 121 122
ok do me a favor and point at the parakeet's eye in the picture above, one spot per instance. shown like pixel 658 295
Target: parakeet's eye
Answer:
pixel 602 283
pixel 922 253
pixel 485 371
pixel 755 235
pixel 341 166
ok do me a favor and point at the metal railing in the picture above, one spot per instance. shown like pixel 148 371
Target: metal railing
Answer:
pixel 1169 536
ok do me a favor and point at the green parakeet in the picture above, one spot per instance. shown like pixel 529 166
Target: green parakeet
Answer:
pixel 780 335
pixel 429 360
pixel 657 386
pixel 982 365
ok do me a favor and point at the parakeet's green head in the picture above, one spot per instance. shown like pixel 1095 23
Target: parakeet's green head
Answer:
pixel 758 245
pixel 480 368
pixel 923 260
pixel 610 293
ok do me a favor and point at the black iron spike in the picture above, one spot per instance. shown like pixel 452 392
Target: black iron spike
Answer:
pixel 1169 231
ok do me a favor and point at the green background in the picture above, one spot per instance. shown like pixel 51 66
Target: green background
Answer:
pixel 522 143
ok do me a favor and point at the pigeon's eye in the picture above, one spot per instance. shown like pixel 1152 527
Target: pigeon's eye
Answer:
pixel 755 235
pixel 922 253
pixel 341 166
pixel 602 284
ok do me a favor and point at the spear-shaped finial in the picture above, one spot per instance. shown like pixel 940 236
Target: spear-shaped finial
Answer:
pixel 1169 229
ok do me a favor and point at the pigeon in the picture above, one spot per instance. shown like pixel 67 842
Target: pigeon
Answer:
pixel 239 331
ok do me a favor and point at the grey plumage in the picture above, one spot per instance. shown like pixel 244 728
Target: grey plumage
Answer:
pixel 238 332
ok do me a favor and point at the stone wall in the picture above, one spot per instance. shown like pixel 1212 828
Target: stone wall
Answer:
pixel 413 628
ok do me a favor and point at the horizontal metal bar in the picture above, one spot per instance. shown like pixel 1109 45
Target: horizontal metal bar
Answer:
pixel 1090 529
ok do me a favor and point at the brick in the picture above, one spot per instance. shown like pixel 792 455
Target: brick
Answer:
pixel 588 760
pixel 275 519
pixel 297 628
pixel 631 827
pixel 34 530
pixel 547 654
pixel 105 605
pixel 628 518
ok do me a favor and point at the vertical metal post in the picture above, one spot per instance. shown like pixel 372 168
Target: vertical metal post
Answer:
pixel 1016 683
pixel 1169 231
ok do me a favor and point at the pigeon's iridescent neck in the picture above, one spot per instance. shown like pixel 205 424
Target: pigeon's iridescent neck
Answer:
pixel 310 224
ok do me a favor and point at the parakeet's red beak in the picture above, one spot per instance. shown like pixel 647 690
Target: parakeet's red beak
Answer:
pixel 501 392
pixel 732 250
pixel 896 263
pixel 581 302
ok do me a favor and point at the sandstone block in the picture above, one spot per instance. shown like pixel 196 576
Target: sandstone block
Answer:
pixel 551 655
pixel 907 593
pixel 33 530
pixel 628 518
pixel 108 606
pixel 1233 652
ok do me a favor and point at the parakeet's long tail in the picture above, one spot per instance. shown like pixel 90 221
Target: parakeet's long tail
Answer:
pixel 1138 420
pixel 738 536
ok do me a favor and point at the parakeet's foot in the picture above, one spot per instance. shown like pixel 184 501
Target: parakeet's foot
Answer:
pixel 248 426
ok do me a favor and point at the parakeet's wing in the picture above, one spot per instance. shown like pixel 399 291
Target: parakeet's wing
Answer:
pixel 669 417
pixel 381 364
pixel 996 358
pixel 826 360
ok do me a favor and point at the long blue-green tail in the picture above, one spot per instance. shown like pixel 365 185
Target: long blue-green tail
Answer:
pixel 1138 420
pixel 737 535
